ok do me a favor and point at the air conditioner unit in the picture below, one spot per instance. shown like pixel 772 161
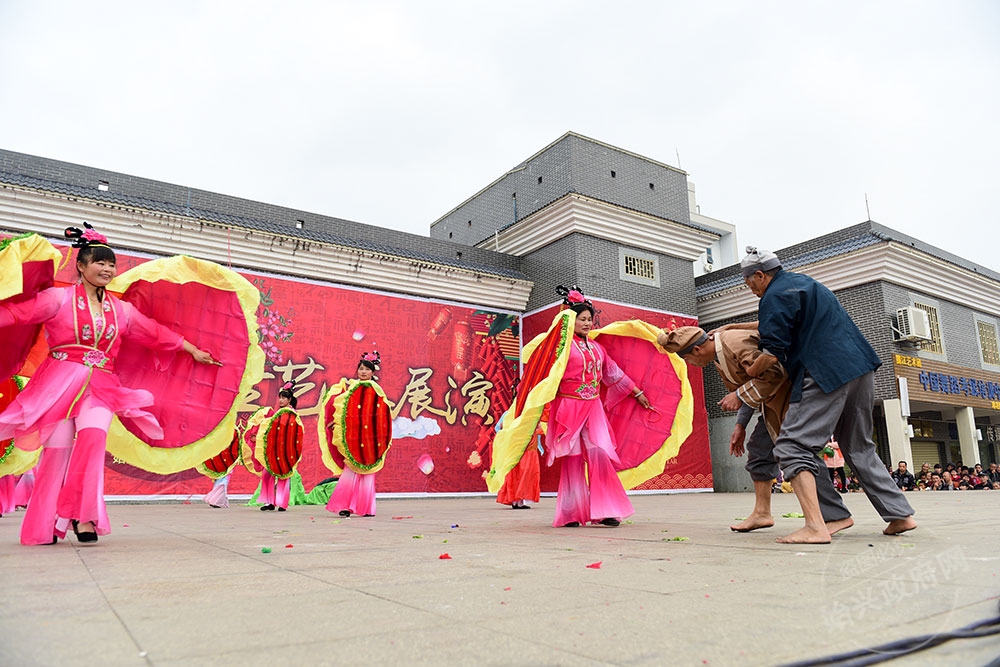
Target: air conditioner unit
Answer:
pixel 913 325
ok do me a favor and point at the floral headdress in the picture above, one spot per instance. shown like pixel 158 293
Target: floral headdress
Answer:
pixel 573 296
pixel 371 359
pixel 84 238
pixel 287 389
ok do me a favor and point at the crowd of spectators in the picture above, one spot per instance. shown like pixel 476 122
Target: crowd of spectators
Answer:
pixel 950 477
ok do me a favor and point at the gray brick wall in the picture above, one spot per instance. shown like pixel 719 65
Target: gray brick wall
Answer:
pixel 866 306
pixel 571 164
pixel 958 326
pixel 593 264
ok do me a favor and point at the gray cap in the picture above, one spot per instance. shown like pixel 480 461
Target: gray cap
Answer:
pixel 758 260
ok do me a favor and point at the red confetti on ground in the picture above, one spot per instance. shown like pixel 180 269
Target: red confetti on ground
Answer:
pixel 289 546
pixel 707 595
pixel 186 502
pixel 444 556
pixel 124 525
pixel 507 589
pixel 397 518
pixel 595 566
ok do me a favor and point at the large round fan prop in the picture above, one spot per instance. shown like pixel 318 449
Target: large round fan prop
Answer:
pixel 14 461
pixel 214 309
pixel 647 439
pixel 28 265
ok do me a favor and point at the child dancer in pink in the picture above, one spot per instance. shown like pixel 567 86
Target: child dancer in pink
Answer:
pixel 279 454
pixel 68 405
pixel 356 432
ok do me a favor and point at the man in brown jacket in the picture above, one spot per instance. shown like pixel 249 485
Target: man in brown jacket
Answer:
pixel 733 352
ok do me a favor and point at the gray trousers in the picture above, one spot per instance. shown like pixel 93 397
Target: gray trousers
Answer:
pixel 762 466
pixel 846 412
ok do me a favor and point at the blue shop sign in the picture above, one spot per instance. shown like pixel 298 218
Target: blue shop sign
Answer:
pixel 953 384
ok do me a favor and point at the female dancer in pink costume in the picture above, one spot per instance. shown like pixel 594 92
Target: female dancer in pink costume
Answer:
pixel 358 434
pixel 274 491
pixel 69 403
pixel 579 432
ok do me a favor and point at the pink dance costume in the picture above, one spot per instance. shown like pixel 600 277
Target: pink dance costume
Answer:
pixel 355 435
pixel 68 405
pixel 278 448
pixel 581 436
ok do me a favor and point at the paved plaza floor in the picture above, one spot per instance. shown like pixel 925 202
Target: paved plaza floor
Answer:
pixel 464 581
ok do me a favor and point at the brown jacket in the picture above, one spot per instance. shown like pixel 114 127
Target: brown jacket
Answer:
pixel 735 352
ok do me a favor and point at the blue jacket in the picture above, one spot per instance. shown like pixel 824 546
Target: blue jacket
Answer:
pixel 802 323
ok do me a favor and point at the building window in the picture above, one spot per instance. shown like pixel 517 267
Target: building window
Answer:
pixel 988 343
pixel 638 267
pixel 922 429
pixel 934 345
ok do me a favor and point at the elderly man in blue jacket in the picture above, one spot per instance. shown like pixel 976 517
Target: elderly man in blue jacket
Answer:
pixel 832 370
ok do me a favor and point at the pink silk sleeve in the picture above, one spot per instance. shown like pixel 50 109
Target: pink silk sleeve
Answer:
pixel 39 308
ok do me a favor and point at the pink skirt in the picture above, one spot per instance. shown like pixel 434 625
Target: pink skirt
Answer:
pixel 354 493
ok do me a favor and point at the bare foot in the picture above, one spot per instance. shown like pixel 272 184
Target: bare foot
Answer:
pixel 806 535
pixel 835 527
pixel 753 522
pixel 900 526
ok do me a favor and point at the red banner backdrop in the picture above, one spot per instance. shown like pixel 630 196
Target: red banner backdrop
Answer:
pixel 692 467
pixel 447 369
pixel 448 376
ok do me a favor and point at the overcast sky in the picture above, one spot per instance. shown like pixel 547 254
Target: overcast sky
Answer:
pixel 784 114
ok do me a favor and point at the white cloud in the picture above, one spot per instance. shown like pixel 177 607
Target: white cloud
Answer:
pixel 419 428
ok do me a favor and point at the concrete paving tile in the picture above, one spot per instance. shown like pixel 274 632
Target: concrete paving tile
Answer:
pixel 70 636
pixel 257 622
pixel 190 585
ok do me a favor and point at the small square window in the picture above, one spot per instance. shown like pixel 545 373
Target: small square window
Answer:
pixel 934 344
pixel 988 343
pixel 103 186
pixel 635 266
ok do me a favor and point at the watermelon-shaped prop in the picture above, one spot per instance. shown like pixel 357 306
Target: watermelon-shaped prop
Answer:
pixel 222 463
pixel 279 443
pixel 355 427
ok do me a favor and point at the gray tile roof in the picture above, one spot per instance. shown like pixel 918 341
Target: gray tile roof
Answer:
pixel 834 250
pixel 149 204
